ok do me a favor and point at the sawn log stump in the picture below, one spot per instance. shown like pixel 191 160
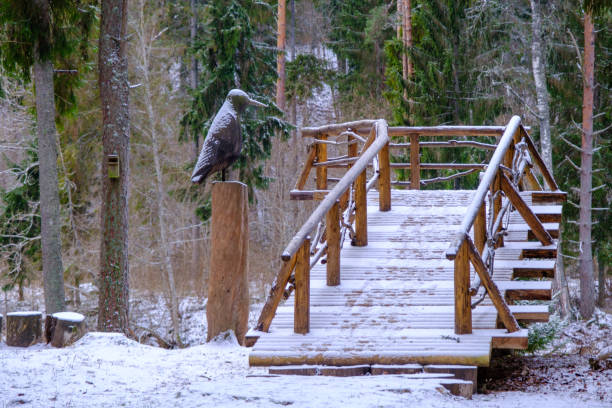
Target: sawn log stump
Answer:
pixel 64 328
pixel 23 329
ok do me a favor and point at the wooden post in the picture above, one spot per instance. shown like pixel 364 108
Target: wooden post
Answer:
pixel 228 293
pixel 415 162
pixel 361 211
pixel 497 204
pixel 301 322
pixel 23 329
pixel 480 228
pixel 321 157
pixel 384 180
pixel 332 223
pixel 463 309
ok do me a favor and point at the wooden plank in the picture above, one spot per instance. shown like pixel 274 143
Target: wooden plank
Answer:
pixel 415 160
pixel 462 372
pixel 307 370
pixel 345 371
pixel 304 195
pixel 530 218
pixel 499 302
pixel 440 166
pixel 384 179
pixel 275 296
pixel 321 149
pixel 531 313
pixel 380 369
pixel 463 310
pixel 301 181
pixel 497 205
pixel 548 197
pixel 527 290
pixel 332 224
pixel 301 321
pixel 361 211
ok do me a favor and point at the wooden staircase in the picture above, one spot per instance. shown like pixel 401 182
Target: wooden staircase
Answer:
pixel 396 277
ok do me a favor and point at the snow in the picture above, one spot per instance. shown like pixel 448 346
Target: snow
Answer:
pixel 107 369
pixel 69 316
pixel 24 314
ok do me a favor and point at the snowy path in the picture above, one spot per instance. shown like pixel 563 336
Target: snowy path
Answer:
pixel 108 370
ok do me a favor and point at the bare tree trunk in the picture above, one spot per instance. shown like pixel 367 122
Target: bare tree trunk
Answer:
pixel 113 282
pixel 53 270
pixel 404 32
pixel 560 282
pixel 601 277
pixel 193 79
pixel 587 283
pixel 538 58
pixel 280 62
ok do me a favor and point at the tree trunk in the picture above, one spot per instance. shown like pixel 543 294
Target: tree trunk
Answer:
pixel 538 58
pixel 53 270
pixel 280 62
pixel 196 232
pixel 113 283
pixel 560 282
pixel 601 277
pixel 587 283
pixel 23 329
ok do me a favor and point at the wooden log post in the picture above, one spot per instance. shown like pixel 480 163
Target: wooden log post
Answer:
pixel 64 328
pixel 415 162
pixel 301 319
pixel 361 211
pixel 353 151
pixel 228 293
pixel 23 329
pixel 384 180
pixel 497 205
pixel 480 228
pixel 332 223
pixel 463 309
pixel 321 150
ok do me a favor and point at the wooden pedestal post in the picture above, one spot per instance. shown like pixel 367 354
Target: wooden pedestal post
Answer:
pixel 228 292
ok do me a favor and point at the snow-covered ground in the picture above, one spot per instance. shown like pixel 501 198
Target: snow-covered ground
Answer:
pixel 109 370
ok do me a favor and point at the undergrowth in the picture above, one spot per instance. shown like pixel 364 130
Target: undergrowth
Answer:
pixel 542 334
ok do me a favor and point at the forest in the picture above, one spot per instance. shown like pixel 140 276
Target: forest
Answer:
pixel 105 106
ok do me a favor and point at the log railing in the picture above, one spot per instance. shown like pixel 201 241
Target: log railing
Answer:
pixel 498 192
pixel 342 211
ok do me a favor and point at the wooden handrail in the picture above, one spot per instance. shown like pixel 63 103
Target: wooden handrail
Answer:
pixel 382 138
pixel 489 176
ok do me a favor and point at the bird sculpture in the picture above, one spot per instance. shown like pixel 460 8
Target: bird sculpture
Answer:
pixel 223 142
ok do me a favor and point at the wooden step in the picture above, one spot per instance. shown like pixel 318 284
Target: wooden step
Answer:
pixel 526 290
pixel 545 213
pixel 529 268
pixel 530 313
pixel 462 372
pixel 532 249
pixel 548 197
pixel 368 347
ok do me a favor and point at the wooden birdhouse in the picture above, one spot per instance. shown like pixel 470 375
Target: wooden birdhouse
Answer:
pixel 113 166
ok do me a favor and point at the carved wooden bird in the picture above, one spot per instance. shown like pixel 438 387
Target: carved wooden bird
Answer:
pixel 223 142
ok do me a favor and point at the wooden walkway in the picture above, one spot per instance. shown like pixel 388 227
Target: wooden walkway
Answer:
pixel 395 301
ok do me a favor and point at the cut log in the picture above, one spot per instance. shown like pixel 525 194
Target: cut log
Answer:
pixel 23 329
pixel 64 328
pixel 228 292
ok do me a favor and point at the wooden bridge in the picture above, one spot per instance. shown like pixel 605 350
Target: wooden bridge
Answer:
pixel 386 273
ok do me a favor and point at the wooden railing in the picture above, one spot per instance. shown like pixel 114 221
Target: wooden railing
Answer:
pixel 343 209
pixel 509 168
pixel 340 208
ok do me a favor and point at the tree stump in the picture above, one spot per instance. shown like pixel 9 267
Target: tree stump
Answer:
pixel 64 328
pixel 23 329
pixel 228 293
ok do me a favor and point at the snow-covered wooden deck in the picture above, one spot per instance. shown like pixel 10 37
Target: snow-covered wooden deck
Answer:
pixel 395 301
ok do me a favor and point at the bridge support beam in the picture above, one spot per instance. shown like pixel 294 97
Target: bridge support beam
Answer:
pixel 301 321
pixel 332 223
